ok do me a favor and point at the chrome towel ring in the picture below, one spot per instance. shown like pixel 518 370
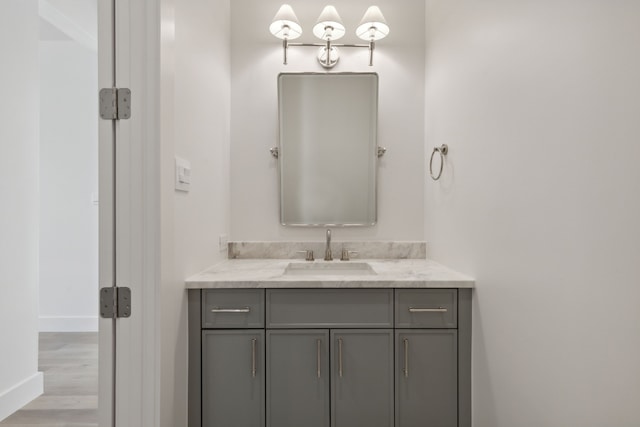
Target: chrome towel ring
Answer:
pixel 443 150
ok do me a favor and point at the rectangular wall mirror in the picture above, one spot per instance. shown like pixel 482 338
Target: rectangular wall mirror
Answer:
pixel 327 148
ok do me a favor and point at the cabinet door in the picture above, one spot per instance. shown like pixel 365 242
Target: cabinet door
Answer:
pixel 362 378
pixel 426 378
pixel 233 378
pixel 298 378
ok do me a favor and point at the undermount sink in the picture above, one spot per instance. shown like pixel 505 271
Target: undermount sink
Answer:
pixel 329 269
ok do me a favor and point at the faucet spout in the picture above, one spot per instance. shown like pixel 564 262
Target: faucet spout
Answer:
pixel 327 252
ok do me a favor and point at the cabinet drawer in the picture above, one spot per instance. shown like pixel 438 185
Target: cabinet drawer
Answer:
pixel 426 308
pixel 329 308
pixel 233 308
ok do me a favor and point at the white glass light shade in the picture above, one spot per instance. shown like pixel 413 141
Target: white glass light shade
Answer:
pixel 329 25
pixel 285 24
pixel 373 25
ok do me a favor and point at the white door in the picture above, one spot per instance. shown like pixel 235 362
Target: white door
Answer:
pixel 128 53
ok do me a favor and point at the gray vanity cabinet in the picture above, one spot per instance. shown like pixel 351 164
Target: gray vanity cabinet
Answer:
pixel 355 364
pixel 233 378
pixel 311 357
pixel 426 378
pixel 298 378
pixel 362 377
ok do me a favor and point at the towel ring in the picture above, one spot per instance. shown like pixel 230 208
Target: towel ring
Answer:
pixel 443 150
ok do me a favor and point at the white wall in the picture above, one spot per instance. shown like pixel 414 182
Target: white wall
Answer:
pixel 19 380
pixel 256 60
pixel 195 127
pixel 539 103
pixel 74 18
pixel 68 183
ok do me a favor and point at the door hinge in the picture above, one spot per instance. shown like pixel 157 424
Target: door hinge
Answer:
pixel 115 302
pixel 115 104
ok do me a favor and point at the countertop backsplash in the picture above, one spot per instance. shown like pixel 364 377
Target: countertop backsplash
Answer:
pixel 293 250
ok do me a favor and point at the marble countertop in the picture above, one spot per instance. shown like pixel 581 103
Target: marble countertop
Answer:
pixel 270 273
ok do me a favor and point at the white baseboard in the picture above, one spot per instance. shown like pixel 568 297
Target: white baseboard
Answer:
pixel 69 324
pixel 20 394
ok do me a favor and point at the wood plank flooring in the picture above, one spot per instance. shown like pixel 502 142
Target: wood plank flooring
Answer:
pixel 69 362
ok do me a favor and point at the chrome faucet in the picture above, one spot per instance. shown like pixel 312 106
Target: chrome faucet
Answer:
pixel 327 251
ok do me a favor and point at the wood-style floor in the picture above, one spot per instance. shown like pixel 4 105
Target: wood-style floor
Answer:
pixel 69 362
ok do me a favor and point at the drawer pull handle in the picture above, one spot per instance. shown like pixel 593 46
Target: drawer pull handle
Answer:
pixel 427 310
pixel 253 357
pixel 340 357
pixel 231 310
pixel 406 357
pixel 318 343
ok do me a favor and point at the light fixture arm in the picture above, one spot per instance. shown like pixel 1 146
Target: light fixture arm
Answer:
pixel 285 47
pixel 327 63
pixel 328 46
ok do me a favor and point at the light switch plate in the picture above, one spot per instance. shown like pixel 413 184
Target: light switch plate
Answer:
pixel 183 174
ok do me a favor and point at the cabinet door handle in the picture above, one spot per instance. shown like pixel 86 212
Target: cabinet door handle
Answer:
pixel 318 343
pixel 340 357
pixel 253 357
pixel 231 310
pixel 405 370
pixel 427 310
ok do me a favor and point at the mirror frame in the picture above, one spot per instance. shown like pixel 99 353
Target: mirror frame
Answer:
pixel 375 149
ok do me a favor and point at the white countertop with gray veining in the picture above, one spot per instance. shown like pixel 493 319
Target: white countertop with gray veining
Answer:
pixel 271 273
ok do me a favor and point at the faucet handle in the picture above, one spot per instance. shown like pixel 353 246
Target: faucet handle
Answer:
pixel 308 255
pixel 346 254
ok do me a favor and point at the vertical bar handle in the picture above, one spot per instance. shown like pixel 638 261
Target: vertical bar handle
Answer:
pixel 406 358
pixel 340 357
pixel 318 344
pixel 253 357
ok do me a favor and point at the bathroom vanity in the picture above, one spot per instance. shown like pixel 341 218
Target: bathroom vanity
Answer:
pixel 367 342
pixel 382 340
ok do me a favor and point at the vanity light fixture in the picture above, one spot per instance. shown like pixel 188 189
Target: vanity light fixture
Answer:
pixel 285 26
pixel 329 28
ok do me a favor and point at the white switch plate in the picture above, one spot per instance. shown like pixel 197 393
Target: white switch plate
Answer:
pixel 183 174
pixel 223 242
